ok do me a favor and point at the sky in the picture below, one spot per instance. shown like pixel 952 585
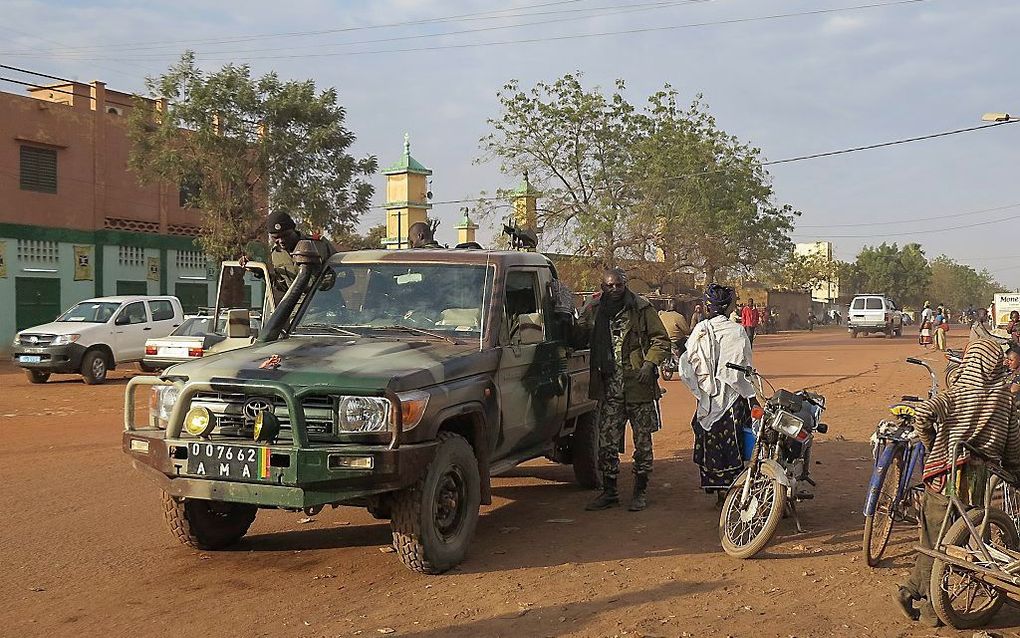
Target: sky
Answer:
pixel 846 73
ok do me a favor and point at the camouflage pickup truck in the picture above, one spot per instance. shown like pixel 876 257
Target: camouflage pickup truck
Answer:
pixel 400 381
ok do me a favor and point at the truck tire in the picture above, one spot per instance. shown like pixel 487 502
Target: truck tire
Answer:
pixel 434 519
pixel 207 524
pixel 585 452
pixel 94 367
pixel 37 376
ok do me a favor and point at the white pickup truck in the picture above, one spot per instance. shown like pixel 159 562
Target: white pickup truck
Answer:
pixel 95 336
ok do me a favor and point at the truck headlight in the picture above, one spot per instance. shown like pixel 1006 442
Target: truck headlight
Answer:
pixel 363 414
pixel 161 403
pixel 17 339
pixel 412 407
pixel 63 340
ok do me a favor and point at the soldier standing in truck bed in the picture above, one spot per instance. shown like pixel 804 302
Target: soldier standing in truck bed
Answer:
pixel 628 342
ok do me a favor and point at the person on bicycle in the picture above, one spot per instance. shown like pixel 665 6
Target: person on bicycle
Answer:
pixel 978 409
pixel 722 393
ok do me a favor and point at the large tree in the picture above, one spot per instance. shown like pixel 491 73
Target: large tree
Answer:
pixel 575 144
pixel 706 202
pixel 244 146
pixel 902 273
pixel 959 285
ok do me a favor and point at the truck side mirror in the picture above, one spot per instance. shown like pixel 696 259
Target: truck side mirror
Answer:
pixel 307 253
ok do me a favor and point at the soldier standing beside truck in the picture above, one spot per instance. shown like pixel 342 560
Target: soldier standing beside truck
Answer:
pixel 627 341
pixel 283 239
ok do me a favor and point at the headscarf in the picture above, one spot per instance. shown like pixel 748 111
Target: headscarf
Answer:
pixel 978 409
pixel 718 299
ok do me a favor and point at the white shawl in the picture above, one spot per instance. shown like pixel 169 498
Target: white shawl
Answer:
pixel 714 343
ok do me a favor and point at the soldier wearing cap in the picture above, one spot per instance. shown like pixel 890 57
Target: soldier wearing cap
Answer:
pixel 283 239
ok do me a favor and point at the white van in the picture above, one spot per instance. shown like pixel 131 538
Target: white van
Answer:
pixel 874 313
pixel 95 336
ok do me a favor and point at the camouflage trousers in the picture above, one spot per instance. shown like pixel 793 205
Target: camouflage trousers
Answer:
pixel 614 413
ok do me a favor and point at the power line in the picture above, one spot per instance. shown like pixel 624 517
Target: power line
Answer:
pixel 788 160
pixel 593 11
pixel 911 221
pixel 579 36
pixel 292 34
pixel 927 231
pixel 35 73
pixel 48 88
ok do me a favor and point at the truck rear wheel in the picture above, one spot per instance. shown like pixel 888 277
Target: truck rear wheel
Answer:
pixel 207 524
pixel 585 452
pixel 434 519
pixel 37 376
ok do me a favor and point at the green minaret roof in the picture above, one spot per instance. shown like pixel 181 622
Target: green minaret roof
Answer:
pixel 407 164
pixel 525 189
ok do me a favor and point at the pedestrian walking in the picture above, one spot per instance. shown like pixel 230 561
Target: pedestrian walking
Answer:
pixel 1013 327
pixel 939 328
pixel 628 342
pixel 924 333
pixel 749 318
pixel 723 394
pixel 979 409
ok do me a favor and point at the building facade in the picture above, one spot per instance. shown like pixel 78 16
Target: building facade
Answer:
pixel 75 222
pixel 825 292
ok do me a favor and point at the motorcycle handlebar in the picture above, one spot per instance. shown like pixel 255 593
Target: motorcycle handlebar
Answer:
pixel 744 369
pixel 915 361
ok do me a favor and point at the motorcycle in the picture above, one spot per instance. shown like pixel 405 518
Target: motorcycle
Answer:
pixel 671 365
pixel 779 463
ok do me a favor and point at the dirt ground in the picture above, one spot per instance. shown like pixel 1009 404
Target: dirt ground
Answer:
pixel 85 552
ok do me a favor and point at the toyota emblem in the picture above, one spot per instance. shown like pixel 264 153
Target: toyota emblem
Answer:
pixel 252 407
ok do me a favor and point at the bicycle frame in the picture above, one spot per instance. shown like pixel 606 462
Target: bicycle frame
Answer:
pixel 914 454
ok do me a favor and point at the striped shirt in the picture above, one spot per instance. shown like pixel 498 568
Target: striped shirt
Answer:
pixel 978 409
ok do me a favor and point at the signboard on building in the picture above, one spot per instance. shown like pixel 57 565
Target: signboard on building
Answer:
pixel 153 270
pixel 3 259
pixel 83 263
pixel 1004 304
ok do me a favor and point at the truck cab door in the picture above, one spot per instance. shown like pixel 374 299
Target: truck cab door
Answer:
pixel 131 327
pixel 531 375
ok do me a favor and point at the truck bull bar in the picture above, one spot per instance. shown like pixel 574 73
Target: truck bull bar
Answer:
pixel 292 399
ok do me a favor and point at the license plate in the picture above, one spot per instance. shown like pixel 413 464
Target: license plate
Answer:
pixel 29 358
pixel 173 352
pixel 228 461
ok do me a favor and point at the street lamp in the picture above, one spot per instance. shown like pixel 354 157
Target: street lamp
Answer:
pixel 997 117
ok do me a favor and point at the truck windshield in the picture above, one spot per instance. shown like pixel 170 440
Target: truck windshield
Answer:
pixel 90 312
pixel 446 298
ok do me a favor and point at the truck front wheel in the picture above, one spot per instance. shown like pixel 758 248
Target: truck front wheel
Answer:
pixel 207 524
pixel 94 367
pixel 434 519
pixel 585 452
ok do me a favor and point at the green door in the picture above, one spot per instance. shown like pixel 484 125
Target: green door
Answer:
pixel 132 287
pixel 36 301
pixel 193 296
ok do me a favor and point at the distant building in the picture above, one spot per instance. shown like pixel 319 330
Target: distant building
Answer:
pixel 74 221
pixel 827 291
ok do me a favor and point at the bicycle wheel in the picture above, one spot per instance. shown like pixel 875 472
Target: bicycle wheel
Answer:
pixel 745 531
pixel 878 526
pixel 960 600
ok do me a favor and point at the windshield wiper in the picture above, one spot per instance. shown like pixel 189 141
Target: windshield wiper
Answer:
pixel 419 331
pixel 327 326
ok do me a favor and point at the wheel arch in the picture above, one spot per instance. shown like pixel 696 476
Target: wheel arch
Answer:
pixel 469 421
pixel 111 360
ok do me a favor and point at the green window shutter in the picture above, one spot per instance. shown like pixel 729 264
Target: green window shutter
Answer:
pixel 38 169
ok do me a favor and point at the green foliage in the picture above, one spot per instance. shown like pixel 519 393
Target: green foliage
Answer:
pixel 372 240
pixel 250 144
pixel 959 285
pixel 901 273
pixel 799 272
pixel 624 183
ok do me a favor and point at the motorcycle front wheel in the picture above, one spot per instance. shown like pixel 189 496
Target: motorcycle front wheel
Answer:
pixel 746 528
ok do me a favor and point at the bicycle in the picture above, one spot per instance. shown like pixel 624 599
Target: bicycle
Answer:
pixel 893 497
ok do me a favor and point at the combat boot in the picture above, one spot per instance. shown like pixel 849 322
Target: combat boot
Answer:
pixel 639 501
pixel 608 498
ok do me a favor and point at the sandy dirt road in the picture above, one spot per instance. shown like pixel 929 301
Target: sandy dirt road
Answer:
pixel 84 551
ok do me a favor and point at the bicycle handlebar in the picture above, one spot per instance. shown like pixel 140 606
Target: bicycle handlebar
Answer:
pixel 744 369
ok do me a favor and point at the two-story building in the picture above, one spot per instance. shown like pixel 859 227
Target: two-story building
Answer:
pixel 75 222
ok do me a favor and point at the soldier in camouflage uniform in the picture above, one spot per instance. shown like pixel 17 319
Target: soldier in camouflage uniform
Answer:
pixel 283 239
pixel 628 342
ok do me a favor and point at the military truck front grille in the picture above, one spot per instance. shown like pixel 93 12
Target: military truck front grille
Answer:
pixel 228 408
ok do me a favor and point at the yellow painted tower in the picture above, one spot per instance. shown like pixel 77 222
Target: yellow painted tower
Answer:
pixel 406 197
pixel 466 229
pixel 525 204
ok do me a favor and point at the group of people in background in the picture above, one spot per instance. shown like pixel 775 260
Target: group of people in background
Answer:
pixel 933 326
